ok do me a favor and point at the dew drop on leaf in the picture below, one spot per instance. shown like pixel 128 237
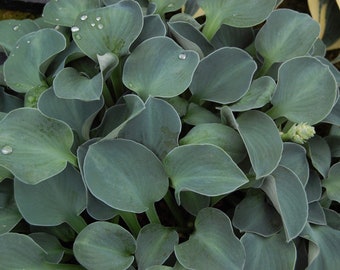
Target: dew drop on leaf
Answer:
pixel 28 41
pixel 57 19
pixel 15 28
pixel 75 29
pixel 170 5
pixel 78 36
pixel 182 56
pixel 93 24
pixel 83 17
pixel 100 26
pixel 6 150
pixel 98 19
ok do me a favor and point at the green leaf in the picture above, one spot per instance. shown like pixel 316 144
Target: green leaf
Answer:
pixel 313 187
pixel 164 6
pixel 287 194
pixel 238 13
pixel 268 253
pixel 77 114
pixel 316 214
pixel 9 102
pixel 12 30
pixel 9 213
pixel 213 245
pixel 56 200
pixel 332 183
pixel 264 222
pixel 64 12
pixel 155 243
pixel 94 34
pixel 304 95
pixel 282 37
pixel 262 140
pixel 294 158
pixel 194 202
pixel 323 247
pixel 218 134
pixel 197 114
pixel 128 170
pixel 33 146
pixel 258 95
pixel 25 67
pixel 104 245
pixel 320 154
pixel 157 127
pixel 166 73
pixel 204 169
pixel 224 76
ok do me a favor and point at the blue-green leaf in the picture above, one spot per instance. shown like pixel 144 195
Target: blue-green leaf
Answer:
pixel 104 245
pixel 320 154
pixel 205 169
pixel 288 196
pixel 213 245
pixel 332 183
pixel 262 140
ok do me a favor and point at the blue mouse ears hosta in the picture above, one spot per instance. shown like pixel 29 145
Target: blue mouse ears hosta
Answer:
pixel 134 135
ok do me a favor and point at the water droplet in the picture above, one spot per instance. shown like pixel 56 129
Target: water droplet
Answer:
pixel 57 19
pixel 28 41
pixel 130 85
pixel 170 5
pixel 78 36
pixel 15 28
pixel 234 15
pixel 57 27
pixel 17 47
pixel 75 29
pixel 98 19
pixel 6 150
pixel 83 17
pixel 182 56
pixel 93 24
pixel 100 26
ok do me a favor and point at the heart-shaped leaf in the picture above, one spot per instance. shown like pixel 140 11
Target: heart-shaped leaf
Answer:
pixel 76 113
pixel 332 183
pixel 282 37
pixel 262 140
pixel 304 95
pixel 25 67
pixel 64 12
pixel 56 200
pixel 205 169
pixel 94 34
pixel 224 76
pixel 289 198
pixel 104 245
pixel 166 73
pixel 275 252
pixel 238 13
pixel 108 170
pixel 213 245
pixel 155 243
pixel 33 146
pixel 157 127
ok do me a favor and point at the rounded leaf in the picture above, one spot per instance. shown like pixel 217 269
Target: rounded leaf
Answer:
pixel 205 169
pixel 224 76
pixel 104 245
pixel 159 67
pixel 306 91
pixel 125 175
pixel 213 245
pixel 33 146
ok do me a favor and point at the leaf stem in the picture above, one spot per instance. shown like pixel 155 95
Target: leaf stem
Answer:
pixel 174 209
pixel 131 221
pixel 152 215
pixel 77 223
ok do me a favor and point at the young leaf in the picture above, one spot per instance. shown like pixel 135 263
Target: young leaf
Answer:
pixel 205 169
pixel 34 147
pixel 288 196
pixel 94 33
pixel 304 95
pixel 104 245
pixel 25 67
pixel 268 253
pixel 262 140
pixel 155 243
pixel 54 201
pixel 128 170
pixel 224 76
pixel 166 73
pixel 213 245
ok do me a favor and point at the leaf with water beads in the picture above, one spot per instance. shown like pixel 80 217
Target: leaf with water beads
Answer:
pixel 33 146
pixel 94 34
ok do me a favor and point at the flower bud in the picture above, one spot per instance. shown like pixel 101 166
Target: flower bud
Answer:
pixel 299 133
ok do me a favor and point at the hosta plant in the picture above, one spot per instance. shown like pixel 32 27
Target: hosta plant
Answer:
pixel 135 135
